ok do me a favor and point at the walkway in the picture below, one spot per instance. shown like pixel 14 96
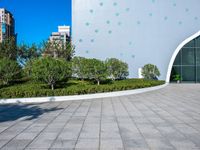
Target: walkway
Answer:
pixel 167 119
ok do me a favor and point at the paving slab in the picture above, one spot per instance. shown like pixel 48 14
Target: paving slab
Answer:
pixel 165 119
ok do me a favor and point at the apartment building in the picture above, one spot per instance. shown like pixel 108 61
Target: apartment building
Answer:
pixel 7 25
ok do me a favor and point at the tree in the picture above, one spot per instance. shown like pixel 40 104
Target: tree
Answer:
pixel 8 49
pixel 58 49
pixel 95 70
pixel 9 70
pixel 117 69
pixel 27 53
pixel 50 70
pixel 79 67
pixel 150 71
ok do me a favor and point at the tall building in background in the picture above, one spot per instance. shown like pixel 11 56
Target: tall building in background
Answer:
pixel 7 25
pixel 63 34
pixel 58 41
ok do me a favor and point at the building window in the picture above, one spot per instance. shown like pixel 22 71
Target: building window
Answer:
pixel 187 62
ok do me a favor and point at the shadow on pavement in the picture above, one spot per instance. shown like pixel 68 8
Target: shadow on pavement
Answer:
pixel 12 112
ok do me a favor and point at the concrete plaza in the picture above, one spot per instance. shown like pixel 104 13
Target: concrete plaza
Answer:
pixel 166 119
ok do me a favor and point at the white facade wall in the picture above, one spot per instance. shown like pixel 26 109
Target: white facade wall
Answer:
pixel 135 31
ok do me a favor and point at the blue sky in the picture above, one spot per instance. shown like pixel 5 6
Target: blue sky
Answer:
pixel 36 19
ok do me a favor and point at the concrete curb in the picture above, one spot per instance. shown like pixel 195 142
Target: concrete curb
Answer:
pixel 80 97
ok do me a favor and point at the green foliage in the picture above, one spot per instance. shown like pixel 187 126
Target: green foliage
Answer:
pixel 58 49
pixel 79 67
pixel 92 69
pixel 9 70
pixel 27 53
pixel 96 70
pixel 177 77
pixel 117 69
pixel 150 72
pixel 50 70
pixel 8 49
pixel 73 87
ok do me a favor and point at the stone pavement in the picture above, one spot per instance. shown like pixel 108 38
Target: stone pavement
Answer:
pixel 166 119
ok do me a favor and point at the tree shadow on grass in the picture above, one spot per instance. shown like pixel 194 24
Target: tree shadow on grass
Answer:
pixel 12 112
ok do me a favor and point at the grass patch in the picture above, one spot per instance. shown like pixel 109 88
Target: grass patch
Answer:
pixel 72 87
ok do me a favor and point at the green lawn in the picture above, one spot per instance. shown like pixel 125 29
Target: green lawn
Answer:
pixel 72 87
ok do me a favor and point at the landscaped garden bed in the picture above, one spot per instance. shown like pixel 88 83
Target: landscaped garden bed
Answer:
pixel 73 87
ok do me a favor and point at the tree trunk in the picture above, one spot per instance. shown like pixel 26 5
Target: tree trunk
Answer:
pixel 98 82
pixel 52 86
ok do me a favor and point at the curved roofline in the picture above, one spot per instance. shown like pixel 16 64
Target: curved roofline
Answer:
pixel 176 53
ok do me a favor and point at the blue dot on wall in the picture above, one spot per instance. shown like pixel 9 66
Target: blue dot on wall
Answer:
pixel 101 4
pixel 186 9
pixel 87 23
pixel 117 14
pixel 121 54
pixel 114 4
pixel 195 18
pixel 174 4
pixel 180 22
pixel 119 23
pixel 138 22
pixel 165 18
pixel 92 40
pixel 127 9
pixel 96 31
pixel 108 21
pixel 133 56
pixel 110 32
pixel 80 40
pixel 150 14
pixel 87 52
pixel 91 10
pixel 153 1
pixel 130 43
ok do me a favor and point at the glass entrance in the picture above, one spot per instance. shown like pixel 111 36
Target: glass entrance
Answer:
pixel 187 63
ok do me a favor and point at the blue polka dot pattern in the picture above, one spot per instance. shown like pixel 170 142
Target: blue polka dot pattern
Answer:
pixel 114 4
pixel 127 9
pixel 138 22
pixel 87 23
pixel 101 4
pixel 117 14
pixel 165 18
pixel 91 10
pixel 108 22
pixel 96 31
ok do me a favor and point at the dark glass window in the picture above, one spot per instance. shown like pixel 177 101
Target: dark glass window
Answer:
pixel 197 42
pixel 188 56
pixel 178 59
pixel 190 44
pixel 188 73
pixel 198 74
pixel 198 56
pixel 187 62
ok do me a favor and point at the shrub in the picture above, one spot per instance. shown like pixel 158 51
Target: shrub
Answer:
pixel 35 89
pixel 79 67
pixel 150 72
pixel 50 70
pixel 96 70
pixel 117 69
pixel 8 48
pixel 9 70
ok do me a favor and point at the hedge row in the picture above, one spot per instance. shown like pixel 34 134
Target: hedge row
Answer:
pixel 73 87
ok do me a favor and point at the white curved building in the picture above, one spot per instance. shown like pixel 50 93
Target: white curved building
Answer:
pixel 161 32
